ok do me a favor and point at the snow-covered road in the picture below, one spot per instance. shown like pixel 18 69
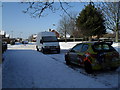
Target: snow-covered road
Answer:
pixel 24 67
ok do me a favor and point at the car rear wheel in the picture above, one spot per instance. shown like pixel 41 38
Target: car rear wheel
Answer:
pixel 67 60
pixel 88 67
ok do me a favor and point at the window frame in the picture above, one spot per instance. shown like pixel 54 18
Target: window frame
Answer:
pixel 72 50
pixel 104 50
pixel 83 46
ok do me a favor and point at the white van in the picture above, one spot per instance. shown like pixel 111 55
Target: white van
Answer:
pixel 46 42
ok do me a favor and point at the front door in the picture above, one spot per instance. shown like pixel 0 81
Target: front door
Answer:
pixel 74 53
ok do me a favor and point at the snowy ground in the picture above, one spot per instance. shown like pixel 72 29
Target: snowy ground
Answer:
pixel 24 67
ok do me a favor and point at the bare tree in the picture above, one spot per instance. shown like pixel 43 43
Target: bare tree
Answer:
pixel 36 9
pixel 72 23
pixel 111 11
pixel 67 25
pixel 63 24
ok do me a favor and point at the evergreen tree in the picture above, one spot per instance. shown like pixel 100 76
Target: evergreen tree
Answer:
pixel 90 22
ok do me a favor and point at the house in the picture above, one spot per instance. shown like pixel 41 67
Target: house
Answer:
pixel 34 36
pixel 7 36
pixel 2 33
pixel 57 34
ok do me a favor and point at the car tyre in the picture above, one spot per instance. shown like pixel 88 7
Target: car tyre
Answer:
pixel 67 60
pixel 88 67
pixel 43 51
pixel 37 48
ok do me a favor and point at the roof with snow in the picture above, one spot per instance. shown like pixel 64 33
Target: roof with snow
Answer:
pixel 7 35
pixel 35 35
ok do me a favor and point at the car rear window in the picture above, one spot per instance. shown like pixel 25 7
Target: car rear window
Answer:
pixel 106 47
pixel 98 47
pixel 103 47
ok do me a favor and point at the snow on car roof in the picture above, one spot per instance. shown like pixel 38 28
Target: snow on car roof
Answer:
pixel 97 42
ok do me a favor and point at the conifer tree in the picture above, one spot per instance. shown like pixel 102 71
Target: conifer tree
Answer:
pixel 90 22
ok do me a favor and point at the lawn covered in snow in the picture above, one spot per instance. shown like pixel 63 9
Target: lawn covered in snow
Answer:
pixel 24 67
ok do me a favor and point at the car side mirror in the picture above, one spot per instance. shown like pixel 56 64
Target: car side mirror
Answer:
pixel 41 41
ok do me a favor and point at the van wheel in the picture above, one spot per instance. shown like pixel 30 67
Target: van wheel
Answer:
pixel 37 49
pixel 88 67
pixel 43 51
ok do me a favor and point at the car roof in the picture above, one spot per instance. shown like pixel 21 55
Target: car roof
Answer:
pixel 97 42
pixel 86 43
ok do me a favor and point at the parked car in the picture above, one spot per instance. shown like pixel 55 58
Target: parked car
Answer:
pixel 12 42
pixel 94 56
pixel 24 42
pixel 4 46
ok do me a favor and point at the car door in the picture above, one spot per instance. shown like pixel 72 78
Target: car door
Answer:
pixel 84 48
pixel 83 51
pixel 74 53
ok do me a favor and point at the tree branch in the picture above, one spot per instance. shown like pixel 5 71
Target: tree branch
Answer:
pixel 36 9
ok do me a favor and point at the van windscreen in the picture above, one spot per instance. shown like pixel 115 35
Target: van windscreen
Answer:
pixel 49 39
